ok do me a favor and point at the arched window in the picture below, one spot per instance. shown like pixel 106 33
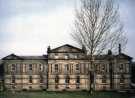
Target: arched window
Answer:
pixel 57 79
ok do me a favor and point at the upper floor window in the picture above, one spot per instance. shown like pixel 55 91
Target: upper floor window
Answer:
pixel 121 66
pixel 97 68
pixel 56 55
pixel 57 79
pixel 13 67
pixel 77 67
pixel 40 67
pixel 13 79
pixel 30 79
pixel 103 67
pixel 30 66
pixel 56 67
pixel 66 67
pixel 66 56
pixel 76 56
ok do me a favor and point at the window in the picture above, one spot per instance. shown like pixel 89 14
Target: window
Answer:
pixel 13 79
pixel 77 67
pixel 57 79
pixel 103 68
pixel 78 79
pixel 56 55
pixel 13 67
pixel 97 68
pixel 104 87
pixel 30 87
pixel 41 79
pixel 56 86
pixel 40 67
pixel 30 66
pixel 122 79
pixel 121 66
pixel 104 79
pixel 66 67
pixel 122 86
pixel 77 86
pixel 67 79
pixel 30 79
pixel 66 56
pixel 13 86
pixel 56 67
pixel 76 56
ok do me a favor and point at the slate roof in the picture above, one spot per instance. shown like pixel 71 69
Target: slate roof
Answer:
pixel 72 49
pixel 16 57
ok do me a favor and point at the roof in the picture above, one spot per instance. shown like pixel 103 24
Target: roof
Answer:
pixel 123 56
pixel 66 49
pixel 16 57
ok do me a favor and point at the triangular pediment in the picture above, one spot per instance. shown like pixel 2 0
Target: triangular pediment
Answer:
pixel 67 48
pixel 123 56
pixel 12 57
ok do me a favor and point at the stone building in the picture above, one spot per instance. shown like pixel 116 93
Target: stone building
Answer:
pixel 70 69
pixel 67 68
pixel 25 72
pixel 1 76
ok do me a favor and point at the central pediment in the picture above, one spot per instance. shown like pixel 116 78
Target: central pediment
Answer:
pixel 66 49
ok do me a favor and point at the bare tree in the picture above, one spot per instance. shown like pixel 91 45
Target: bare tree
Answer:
pixel 98 27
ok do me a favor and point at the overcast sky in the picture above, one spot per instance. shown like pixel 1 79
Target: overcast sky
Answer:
pixel 27 27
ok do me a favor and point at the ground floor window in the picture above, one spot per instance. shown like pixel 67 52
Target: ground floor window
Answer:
pixel 77 86
pixel 78 79
pixel 41 79
pixel 13 79
pixel 104 87
pixel 57 79
pixel 56 86
pixel 104 79
pixel 67 81
pixel 122 79
pixel 30 79
pixel 122 86
pixel 13 86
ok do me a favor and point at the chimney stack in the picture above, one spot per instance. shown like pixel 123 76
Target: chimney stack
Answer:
pixel 48 49
pixel 119 48
pixel 84 49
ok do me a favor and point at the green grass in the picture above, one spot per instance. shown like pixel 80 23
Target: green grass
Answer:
pixel 63 95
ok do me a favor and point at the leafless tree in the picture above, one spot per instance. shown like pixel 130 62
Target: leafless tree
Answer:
pixel 97 27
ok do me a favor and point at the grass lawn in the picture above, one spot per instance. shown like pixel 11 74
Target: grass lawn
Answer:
pixel 63 95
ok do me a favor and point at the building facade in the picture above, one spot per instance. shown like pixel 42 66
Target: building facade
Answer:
pixel 67 68
pixel 25 72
